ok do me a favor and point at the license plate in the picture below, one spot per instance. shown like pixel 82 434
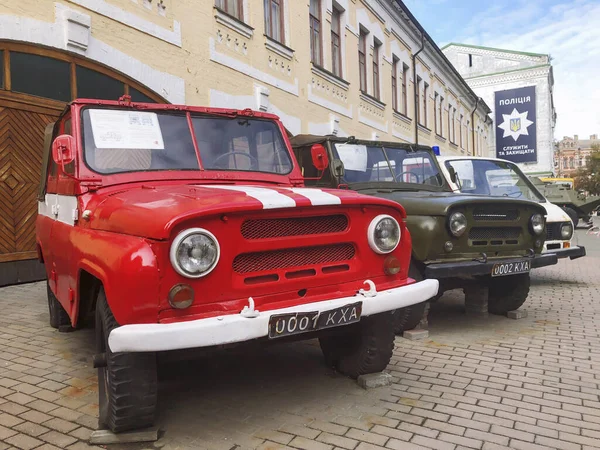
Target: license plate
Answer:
pixel 281 325
pixel 511 268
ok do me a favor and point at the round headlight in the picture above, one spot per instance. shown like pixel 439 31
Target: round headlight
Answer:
pixel 566 231
pixel 383 234
pixel 194 253
pixel 537 224
pixel 457 224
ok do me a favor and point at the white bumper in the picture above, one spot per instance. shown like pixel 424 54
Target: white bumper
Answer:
pixel 239 328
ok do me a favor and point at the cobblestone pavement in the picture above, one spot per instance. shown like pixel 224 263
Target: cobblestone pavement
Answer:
pixel 489 383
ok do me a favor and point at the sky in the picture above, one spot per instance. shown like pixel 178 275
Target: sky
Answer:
pixel 567 30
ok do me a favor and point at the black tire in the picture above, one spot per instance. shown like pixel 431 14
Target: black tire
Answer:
pixel 127 386
pixel 508 293
pixel 573 215
pixel 409 317
pixel 58 315
pixel 363 348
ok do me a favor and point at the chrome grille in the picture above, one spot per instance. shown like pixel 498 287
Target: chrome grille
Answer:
pixel 495 214
pixel 292 257
pixel 296 226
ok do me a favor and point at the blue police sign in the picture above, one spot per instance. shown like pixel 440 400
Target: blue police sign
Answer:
pixel 516 125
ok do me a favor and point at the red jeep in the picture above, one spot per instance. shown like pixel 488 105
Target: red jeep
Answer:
pixel 176 227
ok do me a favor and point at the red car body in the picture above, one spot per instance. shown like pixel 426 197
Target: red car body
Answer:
pixel 282 245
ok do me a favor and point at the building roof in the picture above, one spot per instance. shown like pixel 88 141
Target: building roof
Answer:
pixel 479 47
pixel 441 54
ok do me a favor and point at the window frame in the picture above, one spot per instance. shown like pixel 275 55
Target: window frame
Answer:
pixel 405 69
pixel 336 19
pixel 376 70
pixel 222 5
pixel 425 89
pixel 362 60
pixel 436 104
pixel 269 24
pixel 316 35
pixel 395 83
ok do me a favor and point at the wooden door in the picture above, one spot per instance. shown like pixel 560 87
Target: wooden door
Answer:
pixel 21 144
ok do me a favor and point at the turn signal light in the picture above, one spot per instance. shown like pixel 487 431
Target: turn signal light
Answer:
pixel 181 296
pixel 567 245
pixel 391 265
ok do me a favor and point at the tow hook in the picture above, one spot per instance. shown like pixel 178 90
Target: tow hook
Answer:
pixel 100 360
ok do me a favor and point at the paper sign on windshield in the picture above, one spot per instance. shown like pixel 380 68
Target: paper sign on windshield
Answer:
pixel 353 156
pixel 126 129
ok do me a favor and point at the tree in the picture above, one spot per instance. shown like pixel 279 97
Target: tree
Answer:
pixel 588 177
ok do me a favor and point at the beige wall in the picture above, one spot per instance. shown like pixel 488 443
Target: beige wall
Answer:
pixel 187 51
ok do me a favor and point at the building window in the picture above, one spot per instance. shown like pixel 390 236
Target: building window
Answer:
pixel 395 83
pixel 404 83
pixel 450 137
pixel 376 90
pixel 336 43
pixel 571 163
pixel 418 101
pixel 565 163
pixel 274 19
pixel 441 115
pixel 436 104
pixel 231 7
pixel 470 60
pixel 468 140
pixel 425 94
pixel 460 130
pixel 315 31
pixel 362 60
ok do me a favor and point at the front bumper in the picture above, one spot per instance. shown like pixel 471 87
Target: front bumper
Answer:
pixel 573 252
pixel 240 327
pixel 474 268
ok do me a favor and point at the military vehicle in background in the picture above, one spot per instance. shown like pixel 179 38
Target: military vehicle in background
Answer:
pixel 563 193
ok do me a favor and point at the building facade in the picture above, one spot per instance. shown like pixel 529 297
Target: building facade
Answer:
pixel 345 67
pixel 571 154
pixel 496 75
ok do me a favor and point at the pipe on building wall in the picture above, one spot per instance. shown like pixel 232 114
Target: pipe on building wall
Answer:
pixel 416 92
pixel 473 123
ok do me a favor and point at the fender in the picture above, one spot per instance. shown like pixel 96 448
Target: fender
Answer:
pixel 127 268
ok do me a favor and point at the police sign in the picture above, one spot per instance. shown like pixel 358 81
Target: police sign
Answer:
pixel 515 125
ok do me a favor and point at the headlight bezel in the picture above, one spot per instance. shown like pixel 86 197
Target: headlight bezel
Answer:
pixel 568 225
pixel 455 233
pixel 371 234
pixel 177 242
pixel 532 226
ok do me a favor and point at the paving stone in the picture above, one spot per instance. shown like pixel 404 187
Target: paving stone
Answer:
pixel 374 380
pixel 24 442
pixel 59 439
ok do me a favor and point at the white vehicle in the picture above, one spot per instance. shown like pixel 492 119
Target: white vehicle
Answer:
pixel 498 177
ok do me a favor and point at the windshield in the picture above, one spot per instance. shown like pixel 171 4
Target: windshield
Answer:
pixel 364 163
pixel 494 178
pixel 118 140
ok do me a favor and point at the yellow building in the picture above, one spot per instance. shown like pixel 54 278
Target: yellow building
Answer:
pixel 345 67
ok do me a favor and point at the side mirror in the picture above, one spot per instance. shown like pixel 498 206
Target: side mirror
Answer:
pixel 63 150
pixel 452 173
pixel 338 168
pixel 319 157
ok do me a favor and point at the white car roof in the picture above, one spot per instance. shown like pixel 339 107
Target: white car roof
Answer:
pixel 445 158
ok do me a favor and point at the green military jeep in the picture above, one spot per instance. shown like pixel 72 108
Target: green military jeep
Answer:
pixel 486 246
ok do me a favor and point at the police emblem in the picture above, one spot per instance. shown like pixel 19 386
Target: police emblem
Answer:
pixel 515 124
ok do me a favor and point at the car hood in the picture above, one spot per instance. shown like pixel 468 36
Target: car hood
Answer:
pixel 555 213
pixel 153 211
pixel 427 203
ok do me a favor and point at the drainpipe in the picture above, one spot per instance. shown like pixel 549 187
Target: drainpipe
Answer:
pixel 473 123
pixel 416 96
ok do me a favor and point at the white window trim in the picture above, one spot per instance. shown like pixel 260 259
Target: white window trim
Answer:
pixel 241 27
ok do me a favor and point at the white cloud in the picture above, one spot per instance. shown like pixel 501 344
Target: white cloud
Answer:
pixel 569 32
